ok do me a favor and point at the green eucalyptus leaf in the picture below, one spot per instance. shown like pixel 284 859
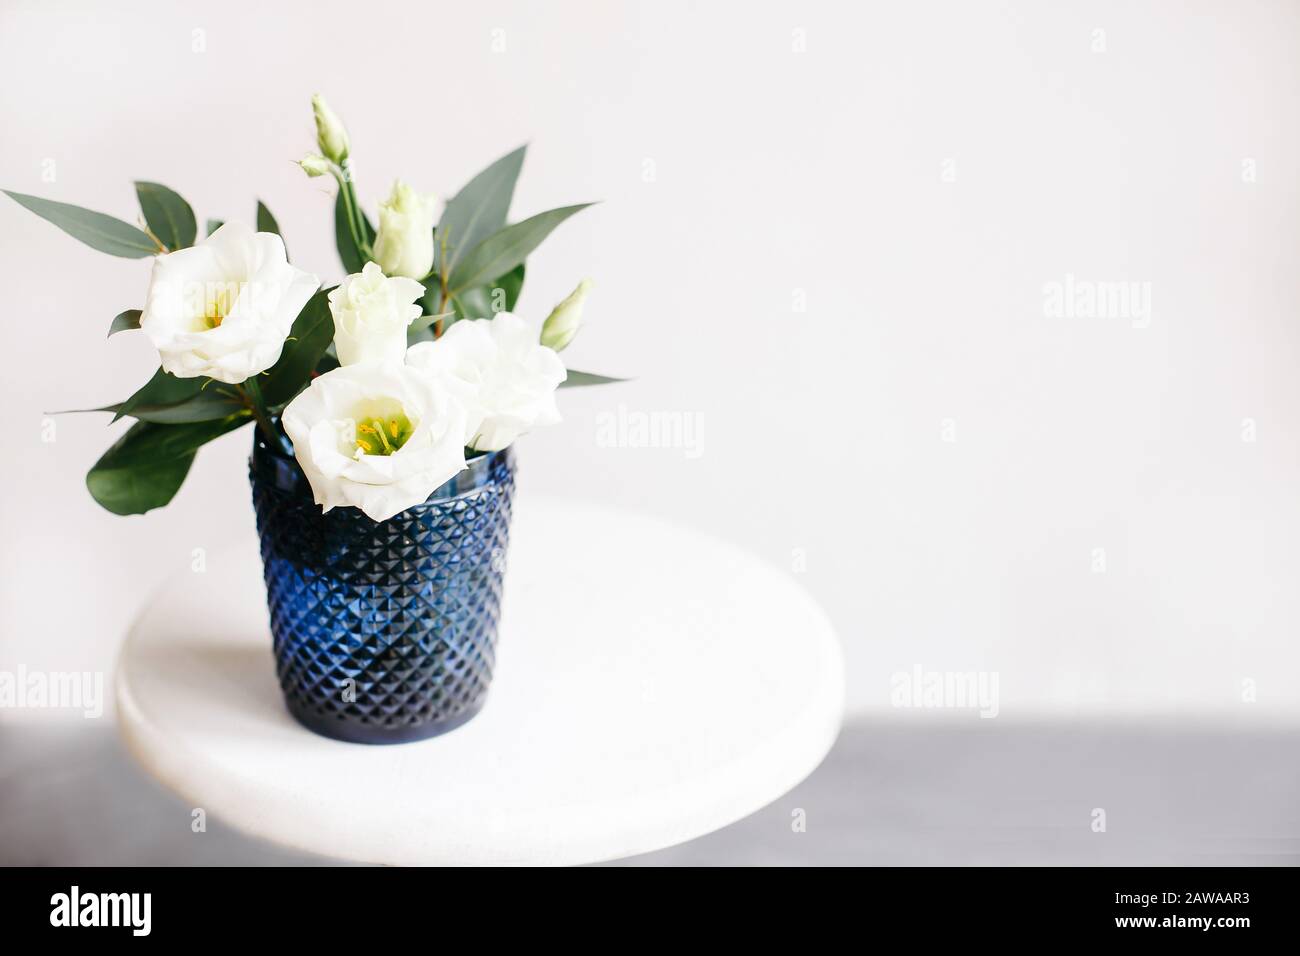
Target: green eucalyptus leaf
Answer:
pixel 310 337
pixel 421 329
pixel 163 389
pixel 211 403
pixel 95 229
pixel 136 489
pixel 431 302
pixel 480 302
pixel 425 321
pixel 349 254
pixel 578 379
pixel 145 468
pixel 130 319
pixel 478 210
pixel 504 250
pixel 328 362
pixel 471 304
pixel 212 226
pixel 485 301
pixel 510 285
pixel 168 215
pixel 513 285
pixel 265 221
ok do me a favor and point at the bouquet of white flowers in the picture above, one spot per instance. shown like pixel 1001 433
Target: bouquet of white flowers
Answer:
pixel 385 384
pixel 384 406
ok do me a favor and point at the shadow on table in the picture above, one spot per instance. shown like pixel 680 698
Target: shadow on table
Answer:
pixel 891 792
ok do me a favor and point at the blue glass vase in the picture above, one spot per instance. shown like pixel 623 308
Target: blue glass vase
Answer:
pixel 384 632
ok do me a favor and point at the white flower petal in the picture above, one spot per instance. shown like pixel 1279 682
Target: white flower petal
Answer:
pixel 501 373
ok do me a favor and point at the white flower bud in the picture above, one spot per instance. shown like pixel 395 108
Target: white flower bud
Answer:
pixel 404 243
pixel 313 164
pixel 330 134
pixel 371 313
pixel 566 318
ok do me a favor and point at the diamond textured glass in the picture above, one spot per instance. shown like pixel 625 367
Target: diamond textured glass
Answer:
pixel 384 632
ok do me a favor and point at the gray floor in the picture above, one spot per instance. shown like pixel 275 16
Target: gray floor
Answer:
pixel 901 793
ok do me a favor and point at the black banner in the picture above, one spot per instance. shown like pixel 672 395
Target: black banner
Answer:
pixel 1162 906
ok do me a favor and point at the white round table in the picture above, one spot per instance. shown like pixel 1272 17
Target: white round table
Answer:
pixel 653 685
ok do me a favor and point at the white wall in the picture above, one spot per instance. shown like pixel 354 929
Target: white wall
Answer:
pixel 918 174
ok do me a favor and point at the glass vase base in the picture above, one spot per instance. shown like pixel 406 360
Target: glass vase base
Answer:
pixel 340 728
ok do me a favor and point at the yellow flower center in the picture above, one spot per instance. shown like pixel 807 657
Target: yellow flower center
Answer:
pixel 382 428
pixel 218 306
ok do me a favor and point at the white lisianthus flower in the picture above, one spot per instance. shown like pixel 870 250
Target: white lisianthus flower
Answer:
pixel 499 371
pixel 379 437
pixel 371 312
pixel 404 243
pixel 224 307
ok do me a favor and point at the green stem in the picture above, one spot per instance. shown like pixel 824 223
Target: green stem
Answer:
pixel 252 393
pixel 443 295
pixel 352 209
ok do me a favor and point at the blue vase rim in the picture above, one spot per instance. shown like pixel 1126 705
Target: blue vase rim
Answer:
pixel 280 468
